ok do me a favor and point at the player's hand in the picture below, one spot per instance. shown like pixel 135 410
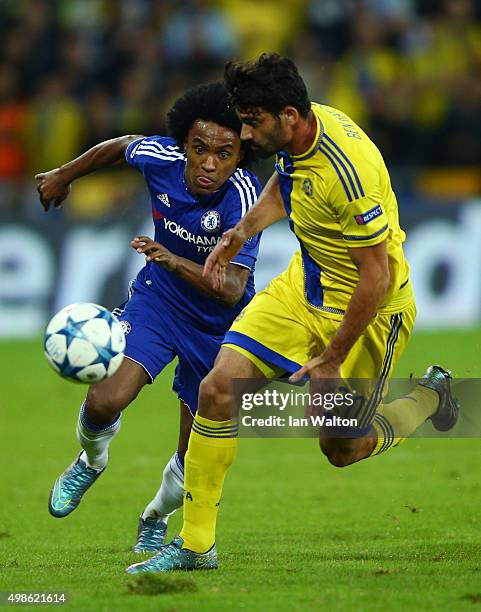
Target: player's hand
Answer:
pixel 154 251
pixel 216 264
pixel 317 369
pixel 52 188
pixel 325 377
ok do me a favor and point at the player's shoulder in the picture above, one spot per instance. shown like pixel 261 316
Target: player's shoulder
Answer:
pixel 243 187
pixel 245 176
pixel 156 150
pixel 344 139
pixel 338 122
pixel 356 165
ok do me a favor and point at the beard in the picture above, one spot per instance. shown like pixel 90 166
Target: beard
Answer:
pixel 264 153
pixel 272 142
pixel 269 148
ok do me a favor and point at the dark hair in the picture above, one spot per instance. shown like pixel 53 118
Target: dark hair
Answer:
pixel 272 83
pixel 209 102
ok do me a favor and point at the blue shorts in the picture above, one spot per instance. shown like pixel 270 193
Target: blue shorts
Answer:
pixel 154 337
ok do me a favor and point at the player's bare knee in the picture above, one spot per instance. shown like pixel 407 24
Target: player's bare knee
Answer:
pixel 104 404
pixel 214 396
pixel 339 458
pixel 339 453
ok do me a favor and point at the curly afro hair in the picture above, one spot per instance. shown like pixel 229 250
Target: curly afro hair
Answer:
pixel 209 102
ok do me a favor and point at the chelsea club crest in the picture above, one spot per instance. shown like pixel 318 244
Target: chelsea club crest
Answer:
pixel 210 221
pixel 126 327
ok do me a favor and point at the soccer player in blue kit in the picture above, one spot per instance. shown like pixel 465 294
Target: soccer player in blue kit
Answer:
pixel 199 188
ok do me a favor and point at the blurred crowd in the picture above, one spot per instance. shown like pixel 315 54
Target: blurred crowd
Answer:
pixel 76 72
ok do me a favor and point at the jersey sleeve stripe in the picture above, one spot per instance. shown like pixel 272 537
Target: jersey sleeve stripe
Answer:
pixel 136 144
pixel 247 198
pixel 242 181
pixel 378 233
pixel 236 263
pixel 356 176
pixel 162 149
pixel 346 189
pixel 241 194
pixel 157 155
pixel 343 166
pixel 157 147
pixel 251 187
pixel 149 147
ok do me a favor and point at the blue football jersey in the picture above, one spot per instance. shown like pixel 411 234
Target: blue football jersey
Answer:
pixel 190 226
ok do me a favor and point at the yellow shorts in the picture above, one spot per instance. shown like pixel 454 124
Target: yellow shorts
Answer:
pixel 279 332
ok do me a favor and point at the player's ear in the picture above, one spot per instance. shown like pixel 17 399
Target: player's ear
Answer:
pixel 291 115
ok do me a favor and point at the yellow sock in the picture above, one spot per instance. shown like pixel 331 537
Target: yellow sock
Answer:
pixel 394 422
pixel 212 449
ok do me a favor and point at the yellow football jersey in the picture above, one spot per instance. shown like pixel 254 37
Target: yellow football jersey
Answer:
pixel 338 196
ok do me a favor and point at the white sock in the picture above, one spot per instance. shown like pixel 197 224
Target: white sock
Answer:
pixel 170 496
pixel 95 440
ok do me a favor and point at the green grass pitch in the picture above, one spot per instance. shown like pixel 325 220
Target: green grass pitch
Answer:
pixel 399 532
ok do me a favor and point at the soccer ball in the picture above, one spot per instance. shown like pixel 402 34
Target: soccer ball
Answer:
pixel 84 343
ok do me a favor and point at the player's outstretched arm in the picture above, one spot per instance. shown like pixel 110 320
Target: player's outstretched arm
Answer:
pixel 54 186
pixel 372 263
pixel 268 209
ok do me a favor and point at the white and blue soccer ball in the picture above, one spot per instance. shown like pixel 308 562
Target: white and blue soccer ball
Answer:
pixel 84 343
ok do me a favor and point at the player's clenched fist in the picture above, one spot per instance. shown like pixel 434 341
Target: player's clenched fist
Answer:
pixel 154 251
pixel 52 188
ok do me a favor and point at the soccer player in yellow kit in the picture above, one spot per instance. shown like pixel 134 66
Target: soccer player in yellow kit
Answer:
pixel 344 308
